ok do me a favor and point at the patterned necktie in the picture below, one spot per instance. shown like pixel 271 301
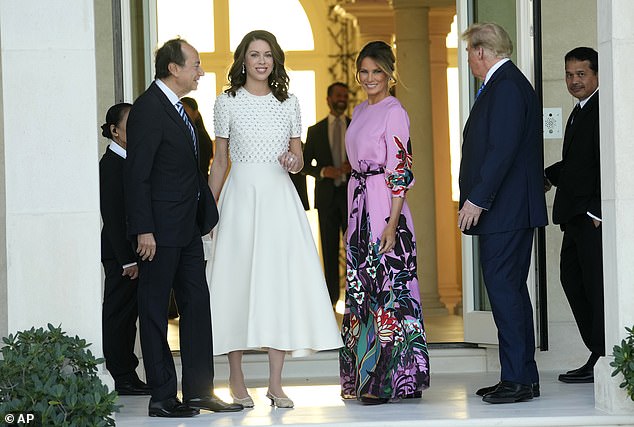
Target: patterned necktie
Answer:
pixel 336 146
pixel 183 114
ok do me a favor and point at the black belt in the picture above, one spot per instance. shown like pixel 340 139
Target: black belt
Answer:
pixel 363 175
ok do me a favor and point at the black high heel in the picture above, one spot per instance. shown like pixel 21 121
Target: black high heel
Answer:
pixel 369 399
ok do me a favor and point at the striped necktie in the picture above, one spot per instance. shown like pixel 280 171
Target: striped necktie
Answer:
pixel 183 114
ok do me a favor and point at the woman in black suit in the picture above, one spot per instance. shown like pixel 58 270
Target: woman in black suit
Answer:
pixel 119 312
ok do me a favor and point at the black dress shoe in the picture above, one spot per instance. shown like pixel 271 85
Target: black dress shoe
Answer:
pixel 592 360
pixel 134 387
pixel 170 408
pixel 578 376
pixel 509 392
pixel 214 404
pixel 486 390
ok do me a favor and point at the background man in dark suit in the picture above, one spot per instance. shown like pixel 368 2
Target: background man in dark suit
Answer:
pixel 577 209
pixel 325 144
pixel 169 206
pixel 205 144
pixel 299 181
pixel 502 201
pixel 119 309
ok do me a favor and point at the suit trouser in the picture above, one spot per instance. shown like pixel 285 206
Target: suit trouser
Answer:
pixel 182 269
pixel 118 322
pixel 505 259
pixel 581 275
pixel 333 220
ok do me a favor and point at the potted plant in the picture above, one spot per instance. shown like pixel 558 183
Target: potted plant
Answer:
pixel 54 377
pixel 624 362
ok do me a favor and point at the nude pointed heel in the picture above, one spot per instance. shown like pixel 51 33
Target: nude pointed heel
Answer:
pixel 280 402
pixel 247 402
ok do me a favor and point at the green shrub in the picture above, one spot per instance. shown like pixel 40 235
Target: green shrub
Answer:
pixel 52 375
pixel 624 362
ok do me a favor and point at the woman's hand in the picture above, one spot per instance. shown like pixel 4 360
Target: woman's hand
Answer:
pixel 388 239
pixel 290 162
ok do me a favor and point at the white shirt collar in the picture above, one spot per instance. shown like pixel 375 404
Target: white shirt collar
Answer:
pixel 583 102
pixel 117 149
pixel 332 117
pixel 494 68
pixel 167 91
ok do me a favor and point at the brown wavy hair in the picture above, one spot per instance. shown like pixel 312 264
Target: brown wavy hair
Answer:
pixel 278 79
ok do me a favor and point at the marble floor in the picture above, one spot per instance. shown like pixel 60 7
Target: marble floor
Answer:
pixel 449 402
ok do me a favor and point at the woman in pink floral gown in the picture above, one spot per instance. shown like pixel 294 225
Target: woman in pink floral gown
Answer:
pixel 385 355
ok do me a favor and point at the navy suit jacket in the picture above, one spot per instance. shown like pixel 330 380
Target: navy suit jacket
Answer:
pixel 165 192
pixel 318 148
pixel 578 175
pixel 501 169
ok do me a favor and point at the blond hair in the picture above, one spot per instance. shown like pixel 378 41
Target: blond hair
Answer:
pixel 491 37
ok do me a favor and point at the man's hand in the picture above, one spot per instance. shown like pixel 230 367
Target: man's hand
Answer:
pixel 547 185
pixel 132 272
pixel 146 246
pixel 346 168
pixel 331 172
pixel 468 216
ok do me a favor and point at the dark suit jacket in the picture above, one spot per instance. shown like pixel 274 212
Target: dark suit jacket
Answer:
pixel 578 176
pixel 164 189
pixel 501 169
pixel 318 148
pixel 205 147
pixel 114 241
pixel 299 181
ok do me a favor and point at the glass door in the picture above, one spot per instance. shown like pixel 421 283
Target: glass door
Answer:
pixel 516 16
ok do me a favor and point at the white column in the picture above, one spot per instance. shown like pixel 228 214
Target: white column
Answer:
pixel 414 91
pixel 616 40
pixel 50 206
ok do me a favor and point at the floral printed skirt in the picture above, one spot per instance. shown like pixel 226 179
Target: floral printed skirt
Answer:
pixel 385 349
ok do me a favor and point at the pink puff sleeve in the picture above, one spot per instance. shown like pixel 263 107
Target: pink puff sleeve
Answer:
pixel 398 166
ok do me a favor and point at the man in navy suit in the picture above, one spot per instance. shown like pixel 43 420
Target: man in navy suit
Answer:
pixel 502 201
pixel 169 206
pixel 577 209
pixel 325 145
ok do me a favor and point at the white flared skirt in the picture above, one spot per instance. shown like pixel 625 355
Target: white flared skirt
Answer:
pixel 265 278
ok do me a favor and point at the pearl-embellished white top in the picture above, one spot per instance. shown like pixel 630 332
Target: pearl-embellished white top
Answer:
pixel 258 127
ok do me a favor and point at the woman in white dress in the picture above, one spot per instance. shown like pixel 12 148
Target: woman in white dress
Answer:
pixel 266 283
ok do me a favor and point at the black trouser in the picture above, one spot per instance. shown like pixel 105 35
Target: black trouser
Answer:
pixel 118 322
pixel 182 269
pixel 581 274
pixel 333 221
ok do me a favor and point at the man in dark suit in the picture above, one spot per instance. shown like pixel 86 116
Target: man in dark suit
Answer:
pixel 577 209
pixel 299 181
pixel 502 201
pixel 169 206
pixel 119 309
pixel 325 145
pixel 205 144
